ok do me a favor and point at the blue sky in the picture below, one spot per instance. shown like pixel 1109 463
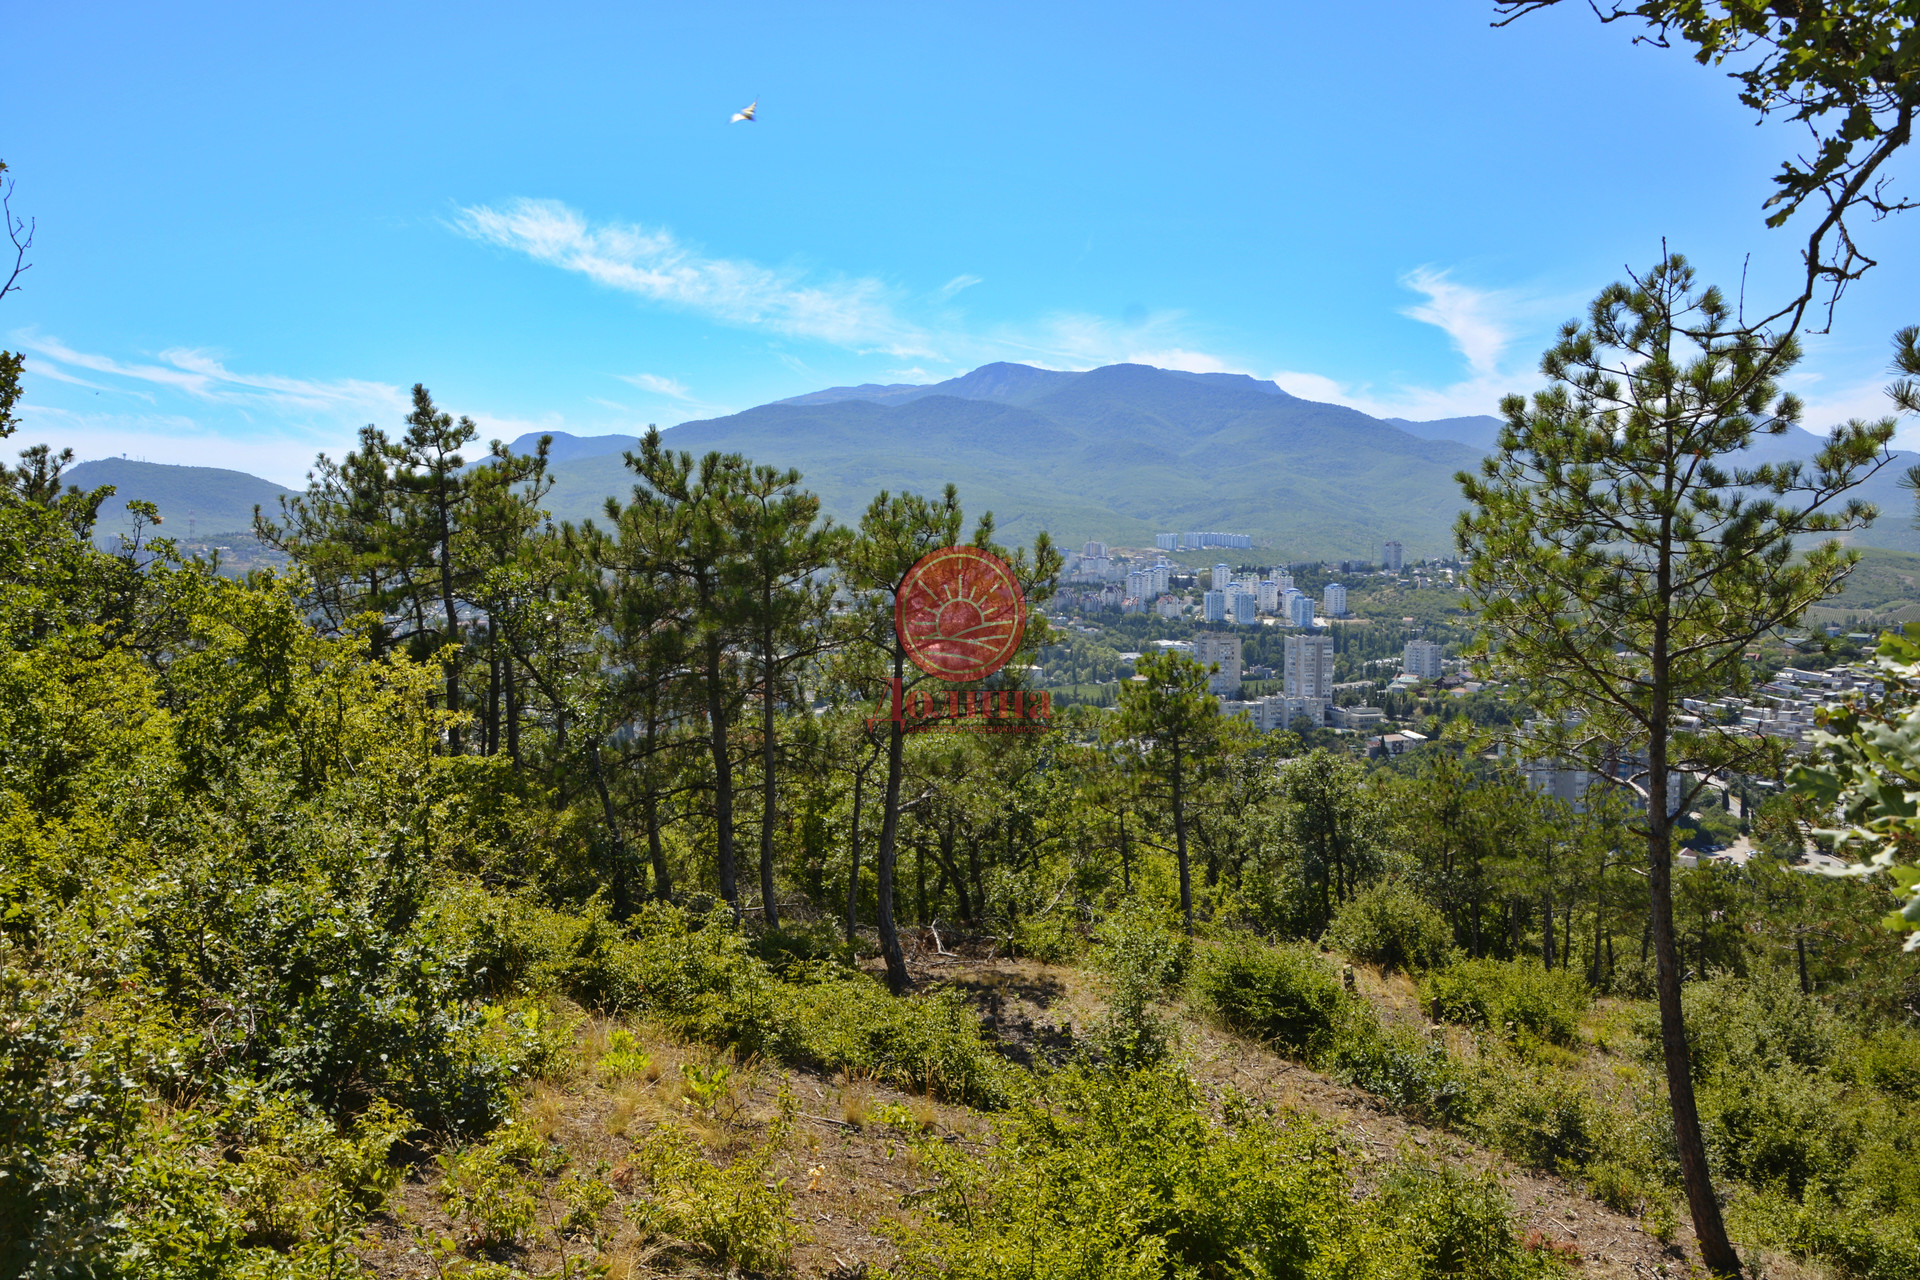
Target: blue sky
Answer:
pixel 257 227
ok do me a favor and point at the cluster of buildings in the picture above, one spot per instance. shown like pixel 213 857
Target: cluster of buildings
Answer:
pixel 1244 598
pixel 1201 541
pixel 1785 706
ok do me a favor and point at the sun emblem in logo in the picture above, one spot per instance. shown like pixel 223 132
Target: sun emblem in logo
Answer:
pixel 960 613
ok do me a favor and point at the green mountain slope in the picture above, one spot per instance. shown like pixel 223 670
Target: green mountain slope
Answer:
pixel 207 500
pixel 1117 454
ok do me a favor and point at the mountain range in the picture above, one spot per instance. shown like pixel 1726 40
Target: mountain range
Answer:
pixel 1116 453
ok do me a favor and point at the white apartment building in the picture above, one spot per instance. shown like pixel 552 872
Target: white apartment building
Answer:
pixel 1269 598
pixel 1393 557
pixel 1245 609
pixel 1213 606
pixel 1297 608
pixel 1421 658
pixel 1308 667
pixel 1357 717
pixel 1167 606
pixel 1210 647
pixel 1167 541
pixel 1222 576
pixel 1334 599
pixel 1278 711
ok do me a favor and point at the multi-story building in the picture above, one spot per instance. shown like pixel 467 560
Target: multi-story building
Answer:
pixel 1213 606
pixel 1356 717
pixel 1334 598
pixel 1221 648
pixel 1421 658
pixel 1245 608
pixel 1168 606
pixel 1269 598
pixel 1222 577
pixel 1393 557
pixel 1278 711
pixel 1167 541
pixel 1094 551
pixel 1298 609
pixel 1201 541
pixel 1308 666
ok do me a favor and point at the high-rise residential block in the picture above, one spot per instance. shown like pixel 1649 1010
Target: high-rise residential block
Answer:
pixel 1308 666
pixel 1221 648
pixel 1422 658
pixel 1245 608
pixel 1393 557
pixel 1213 606
pixel 1334 600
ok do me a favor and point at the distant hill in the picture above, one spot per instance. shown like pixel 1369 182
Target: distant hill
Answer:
pixel 209 500
pixel 567 447
pixel 1479 432
pixel 1118 454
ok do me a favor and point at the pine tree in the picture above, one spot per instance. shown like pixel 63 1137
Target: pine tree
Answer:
pixel 1624 560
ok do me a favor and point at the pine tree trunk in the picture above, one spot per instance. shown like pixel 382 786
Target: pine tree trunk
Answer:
pixel 897 979
pixel 1180 838
pixel 770 794
pixel 722 778
pixel 622 888
pixel 650 804
pixel 853 872
pixel 1716 1251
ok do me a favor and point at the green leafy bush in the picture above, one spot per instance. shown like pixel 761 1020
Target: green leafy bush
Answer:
pixel 1125 1174
pixel 1508 997
pixel 1141 958
pixel 1852 1240
pixel 736 1214
pixel 1755 1023
pixel 1284 995
pixel 921 1043
pixel 1542 1118
pixel 1399 1063
pixel 1390 925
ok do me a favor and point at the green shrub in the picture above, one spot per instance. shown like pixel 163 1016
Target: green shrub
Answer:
pixel 1390 925
pixel 736 1214
pixel 1142 958
pixel 1755 1023
pixel 799 943
pixel 1508 997
pixel 1126 1175
pixel 1398 1063
pixel 1541 1118
pixel 1455 1224
pixel 921 1043
pixel 1849 1239
pixel 1787 1127
pixel 1888 1060
pixel 1284 995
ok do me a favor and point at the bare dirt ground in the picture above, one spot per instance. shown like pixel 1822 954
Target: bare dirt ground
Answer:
pixel 849 1173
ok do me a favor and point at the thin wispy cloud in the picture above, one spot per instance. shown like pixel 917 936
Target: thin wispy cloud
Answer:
pixel 955 285
pixel 1475 319
pixel 855 312
pixel 656 384
pixel 202 376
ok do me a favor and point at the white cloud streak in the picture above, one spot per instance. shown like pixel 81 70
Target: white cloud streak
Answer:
pixel 200 376
pixel 656 384
pixel 1473 318
pixel 856 313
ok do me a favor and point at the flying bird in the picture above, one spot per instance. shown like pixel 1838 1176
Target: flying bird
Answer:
pixel 746 114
